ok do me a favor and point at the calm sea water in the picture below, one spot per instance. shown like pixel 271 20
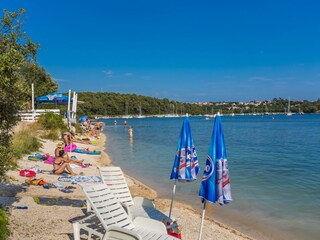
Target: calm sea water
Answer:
pixel 274 168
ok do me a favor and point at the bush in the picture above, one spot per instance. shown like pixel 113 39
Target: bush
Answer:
pixel 24 142
pixel 51 121
pixel 52 135
pixel 3 225
pixel 6 159
pixel 78 128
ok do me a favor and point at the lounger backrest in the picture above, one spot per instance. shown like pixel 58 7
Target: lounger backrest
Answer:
pixel 113 177
pixel 107 207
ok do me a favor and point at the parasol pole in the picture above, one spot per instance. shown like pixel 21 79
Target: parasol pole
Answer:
pixel 73 102
pixel 75 105
pixel 32 101
pixel 68 110
pixel 202 218
pixel 173 192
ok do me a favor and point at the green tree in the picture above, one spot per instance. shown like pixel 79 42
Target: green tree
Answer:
pixel 16 49
pixel 33 73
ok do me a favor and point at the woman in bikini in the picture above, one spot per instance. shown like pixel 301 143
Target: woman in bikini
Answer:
pixel 62 161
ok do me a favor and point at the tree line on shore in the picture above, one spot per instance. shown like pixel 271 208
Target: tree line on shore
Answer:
pixel 116 104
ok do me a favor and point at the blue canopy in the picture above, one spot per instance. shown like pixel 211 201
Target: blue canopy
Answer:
pixel 53 98
pixel 215 185
pixel 185 166
pixel 83 119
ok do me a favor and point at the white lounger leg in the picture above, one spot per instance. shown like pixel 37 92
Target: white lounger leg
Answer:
pixel 88 207
pixel 76 231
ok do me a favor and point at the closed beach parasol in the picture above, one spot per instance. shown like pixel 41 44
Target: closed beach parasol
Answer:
pixel 215 184
pixel 185 167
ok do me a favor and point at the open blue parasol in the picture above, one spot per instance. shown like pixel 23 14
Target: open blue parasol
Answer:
pixel 82 119
pixel 54 98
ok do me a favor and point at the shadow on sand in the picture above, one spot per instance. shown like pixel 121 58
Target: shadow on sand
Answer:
pixel 8 194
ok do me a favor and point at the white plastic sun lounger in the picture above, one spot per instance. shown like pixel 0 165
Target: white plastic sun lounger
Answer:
pixel 138 207
pixel 112 221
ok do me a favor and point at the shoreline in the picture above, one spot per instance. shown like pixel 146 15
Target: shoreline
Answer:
pixel 54 222
pixel 179 208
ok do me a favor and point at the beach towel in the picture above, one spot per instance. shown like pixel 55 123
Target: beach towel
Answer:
pixel 27 173
pixel 73 147
pixel 50 160
pixel 84 151
pixel 80 179
pixel 38 156
pixel 72 165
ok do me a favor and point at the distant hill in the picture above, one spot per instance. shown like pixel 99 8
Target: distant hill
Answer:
pixel 117 104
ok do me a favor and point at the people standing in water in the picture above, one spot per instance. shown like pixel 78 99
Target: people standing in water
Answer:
pixel 130 131
pixel 115 122
pixel 124 123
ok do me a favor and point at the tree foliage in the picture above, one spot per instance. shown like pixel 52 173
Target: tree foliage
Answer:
pixel 115 104
pixel 33 73
pixel 18 67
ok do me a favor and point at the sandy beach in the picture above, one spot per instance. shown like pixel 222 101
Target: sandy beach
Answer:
pixel 46 221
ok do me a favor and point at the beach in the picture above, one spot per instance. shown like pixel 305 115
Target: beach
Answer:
pixel 49 221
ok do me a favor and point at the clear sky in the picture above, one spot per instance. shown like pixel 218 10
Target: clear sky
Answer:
pixel 236 50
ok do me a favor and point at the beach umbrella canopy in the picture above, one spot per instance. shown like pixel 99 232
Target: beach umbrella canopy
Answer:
pixel 215 184
pixel 83 119
pixel 53 98
pixel 185 167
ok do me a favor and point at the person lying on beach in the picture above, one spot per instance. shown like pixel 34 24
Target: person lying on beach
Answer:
pixel 67 138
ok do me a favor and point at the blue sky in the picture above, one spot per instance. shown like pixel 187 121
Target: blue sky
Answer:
pixel 182 50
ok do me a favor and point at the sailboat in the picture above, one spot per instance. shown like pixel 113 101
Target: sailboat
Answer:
pixel 289 112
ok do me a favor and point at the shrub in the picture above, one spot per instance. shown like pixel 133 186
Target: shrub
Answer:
pixel 78 128
pixel 3 225
pixel 51 121
pixel 6 159
pixel 24 142
pixel 52 135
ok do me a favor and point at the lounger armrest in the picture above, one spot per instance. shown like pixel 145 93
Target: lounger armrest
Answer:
pixel 140 201
pixel 150 224
pixel 115 232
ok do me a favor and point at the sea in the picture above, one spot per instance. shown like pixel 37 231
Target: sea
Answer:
pixel 274 164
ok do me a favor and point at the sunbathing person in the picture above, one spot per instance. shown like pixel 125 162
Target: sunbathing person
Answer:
pixel 67 138
pixel 59 152
pixel 62 161
pixel 60 166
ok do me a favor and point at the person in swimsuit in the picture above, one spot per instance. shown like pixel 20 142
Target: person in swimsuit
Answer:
pixel 62 161
pixel 130 131
pixel 67 138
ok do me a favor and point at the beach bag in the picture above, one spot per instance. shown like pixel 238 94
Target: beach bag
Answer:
pixel 36 182
pixel 27 173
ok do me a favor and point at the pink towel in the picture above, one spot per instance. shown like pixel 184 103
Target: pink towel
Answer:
pixel 50 160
